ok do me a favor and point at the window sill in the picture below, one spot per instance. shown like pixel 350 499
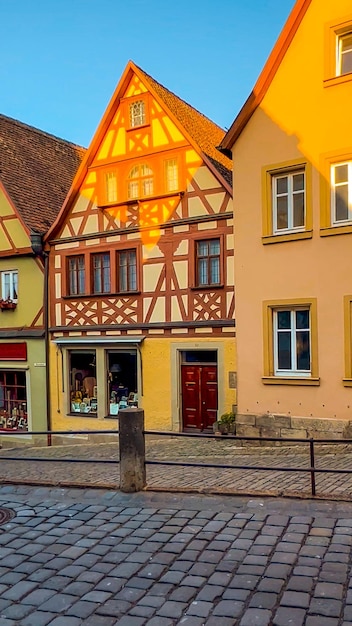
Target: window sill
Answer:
pixel 337 80
pixel 207 287
pixel 347 382
pixel 83 296
pixel 137 127
pixel 286 380
pixel 136 201
pixel 336 230
pixel 79 414
pixel 305 234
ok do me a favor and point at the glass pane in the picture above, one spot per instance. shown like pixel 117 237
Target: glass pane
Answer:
pixel 214 246
pixel 83 383
pixel 145 170
pixel 202 248
pixel 147 187
pixel 302 319
pixel 282 213
pixel 284 350
pixel 14 286
pixel 303 350
pixel 341 203
pixel 284 319
pixel 298 182
pixel 133 190
pixel 346 63
pixel 281 185
pixel 111 187
pixel 214 271
pixel 341 173
pixel 298 209
pixel 202 271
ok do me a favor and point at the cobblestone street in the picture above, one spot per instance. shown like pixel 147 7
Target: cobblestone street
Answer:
pixel 75 557
pixel 203 479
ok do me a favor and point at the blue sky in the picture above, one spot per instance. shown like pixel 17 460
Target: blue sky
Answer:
pixel 60 60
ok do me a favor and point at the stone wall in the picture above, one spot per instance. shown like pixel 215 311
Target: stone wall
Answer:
pixel 272 425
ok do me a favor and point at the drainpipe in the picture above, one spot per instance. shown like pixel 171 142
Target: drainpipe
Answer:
pixel 37 247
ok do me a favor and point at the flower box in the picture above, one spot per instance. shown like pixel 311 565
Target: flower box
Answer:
pixel 7 305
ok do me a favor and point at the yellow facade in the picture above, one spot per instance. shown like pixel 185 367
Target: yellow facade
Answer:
pixel 303 121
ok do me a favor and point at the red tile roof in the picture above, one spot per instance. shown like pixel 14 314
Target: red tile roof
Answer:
pixel 37 170
pixel 203 131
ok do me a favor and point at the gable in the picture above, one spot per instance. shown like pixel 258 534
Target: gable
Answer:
pixel 13 236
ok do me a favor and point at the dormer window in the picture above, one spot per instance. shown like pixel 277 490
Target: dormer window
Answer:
pixel 140 181
pixel 137 113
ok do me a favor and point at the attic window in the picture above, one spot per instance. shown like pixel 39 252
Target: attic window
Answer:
pixel 137 113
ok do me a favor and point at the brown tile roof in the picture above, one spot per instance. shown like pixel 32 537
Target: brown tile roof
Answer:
pixel 36 170
pixel 203 131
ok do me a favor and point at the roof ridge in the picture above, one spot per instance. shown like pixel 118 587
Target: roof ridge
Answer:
pixel 180 99
pixel 16 122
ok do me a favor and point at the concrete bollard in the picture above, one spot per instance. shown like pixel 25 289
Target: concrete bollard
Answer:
pixel 132 450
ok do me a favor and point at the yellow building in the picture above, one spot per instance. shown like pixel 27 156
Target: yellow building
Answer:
pixel 292 151
pixel 36 170
pixel 141 266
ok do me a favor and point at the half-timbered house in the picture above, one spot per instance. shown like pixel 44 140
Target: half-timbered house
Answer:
pixel 141 265
pixel 36 171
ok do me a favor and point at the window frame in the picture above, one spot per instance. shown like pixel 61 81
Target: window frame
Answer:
pixel 290 194
pixel 68 260
pixel 289 377
pixel 335 31
pixel 220 256
pixel 168 188
pixel 329 227
pixel 270 173
pixel 132 104
pixel 140 180
pixel 13 285
pixel 292 331
pixel 118 265
pixel 347 306
pixel 333 185
pixel 101 273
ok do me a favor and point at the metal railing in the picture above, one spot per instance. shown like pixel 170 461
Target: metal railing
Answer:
pixel 311 444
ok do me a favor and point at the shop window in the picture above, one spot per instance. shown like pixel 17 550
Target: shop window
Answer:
pixel 83 382
pixel 101 273
pixel 127 270
pixel 9 285
pixel 122 380
pixel 13 400
pixel 76 275
pixel 208 262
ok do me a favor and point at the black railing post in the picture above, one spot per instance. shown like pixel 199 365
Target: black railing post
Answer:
pixel 132 450
pixel 312 465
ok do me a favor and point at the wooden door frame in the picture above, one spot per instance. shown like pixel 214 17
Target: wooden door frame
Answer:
pixel 176 387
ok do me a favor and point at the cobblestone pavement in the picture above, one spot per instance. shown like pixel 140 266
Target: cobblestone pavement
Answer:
pixel 92 557
pixel 221 451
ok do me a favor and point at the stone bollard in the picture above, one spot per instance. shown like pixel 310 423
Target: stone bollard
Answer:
pixel 132 450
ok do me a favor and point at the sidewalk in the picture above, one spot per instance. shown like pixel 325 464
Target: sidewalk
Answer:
pixel 75 557
pixel 184 478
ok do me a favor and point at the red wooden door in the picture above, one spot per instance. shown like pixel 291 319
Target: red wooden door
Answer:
pixel 199 396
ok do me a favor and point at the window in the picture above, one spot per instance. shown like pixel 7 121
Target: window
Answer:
pixel 13 400
pixel 288 201
pixel 127 270
pixel 344 54
pixel 137 113
pixel 110 187
pixel 9 285
pixel 76 272
pixel 290 342
pixel 341 192
pixel 83 382
pixel 171 174
pixel 208 262
pixel 140 181
pixel 101 273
